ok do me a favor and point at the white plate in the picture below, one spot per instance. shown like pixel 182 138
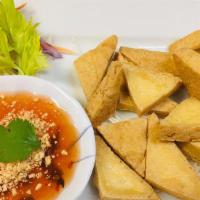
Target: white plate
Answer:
pixel 81 24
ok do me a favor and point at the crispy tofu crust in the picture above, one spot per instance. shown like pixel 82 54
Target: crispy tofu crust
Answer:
pixel 162 109
pixel 180 133
pixel 128 140
pixel 191 41
pixel 183 123
pixel 191 149
pixel 125 102
pixel 91 66
pixel 103 102
pixel 167 168
pixel 148 88
pixel 187 63
pixel 153 60
pixel 115 180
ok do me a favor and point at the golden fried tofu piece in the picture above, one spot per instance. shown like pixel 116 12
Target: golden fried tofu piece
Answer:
pixel 167 168
pixel 188 66
pixel 91 66
pixel 183 123
pixel 191 41
pixel 103 102
pixel 162 109
pixel 148 88
pixel 128 140
pixel 191 149
pixel 153 60
pixel 115 180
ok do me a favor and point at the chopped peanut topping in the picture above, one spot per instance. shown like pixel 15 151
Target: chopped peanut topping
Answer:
pixel 13 173
pixel 38 186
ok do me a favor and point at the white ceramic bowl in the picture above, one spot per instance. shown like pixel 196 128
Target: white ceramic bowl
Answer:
pixel 79 118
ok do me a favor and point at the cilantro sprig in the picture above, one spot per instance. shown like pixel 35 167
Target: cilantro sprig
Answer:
pixel 17 141
pixel 20 50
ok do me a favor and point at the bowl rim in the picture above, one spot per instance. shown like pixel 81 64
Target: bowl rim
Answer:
pixel 77 107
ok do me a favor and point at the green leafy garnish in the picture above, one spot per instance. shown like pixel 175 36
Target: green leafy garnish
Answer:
pixel 20 50
pixel 17 141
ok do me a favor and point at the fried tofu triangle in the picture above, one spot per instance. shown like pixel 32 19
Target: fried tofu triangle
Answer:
pixel 148 88
pixel 162 109
pixel 183 123
pixel 115 180
pixel 103 102
pixel 128 140
pixel 91 66
pixel 153 60
pixel 188 66
pixel 167 168
pixel 191 41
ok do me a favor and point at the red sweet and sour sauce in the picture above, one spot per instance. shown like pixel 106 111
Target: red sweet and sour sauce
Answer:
pixel 62 168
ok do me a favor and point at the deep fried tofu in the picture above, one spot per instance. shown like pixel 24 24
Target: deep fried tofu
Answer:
pixel 148 88
pixel 191 41
pixel 91 66
pixel 167 168
pixel 115 180
pixel 162 109
pixel 103 102
pixel 153 60
pixel 183 123
pixel 188 67
pixel 128 139
pixel 191 149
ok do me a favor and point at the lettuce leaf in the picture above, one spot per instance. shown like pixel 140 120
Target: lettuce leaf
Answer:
pixel 6 63
pixel 20 50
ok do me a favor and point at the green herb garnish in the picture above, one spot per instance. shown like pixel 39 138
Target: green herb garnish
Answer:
pixel 17 141
pixel 20 51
